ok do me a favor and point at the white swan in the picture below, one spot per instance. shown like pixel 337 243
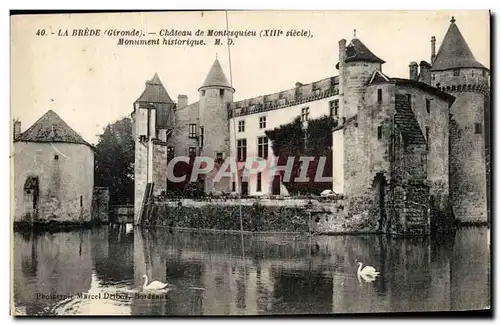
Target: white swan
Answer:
pixel 367 270
pixel 154 285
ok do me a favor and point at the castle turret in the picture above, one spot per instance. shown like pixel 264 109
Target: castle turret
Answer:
pixel 356 67
pixel 152 120
pixel 215 94
pixel 456 71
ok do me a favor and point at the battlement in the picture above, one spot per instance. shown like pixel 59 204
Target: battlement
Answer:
pixel 294 96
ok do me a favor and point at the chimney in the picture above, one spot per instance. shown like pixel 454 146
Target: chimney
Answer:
pixel 425 72
pixel 413 70
pixel 182 101
pixel 433 49
pixel 17 128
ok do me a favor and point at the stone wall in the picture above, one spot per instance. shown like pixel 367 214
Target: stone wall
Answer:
pixel 65 174
pixel 339 215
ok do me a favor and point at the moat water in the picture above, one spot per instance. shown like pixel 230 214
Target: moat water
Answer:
pixel 99 272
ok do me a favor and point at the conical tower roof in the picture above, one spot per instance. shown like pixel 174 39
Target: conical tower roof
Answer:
pixel 51 128
pixel 155 92
pixel 454 52
pixel 216 77
pixel 357 51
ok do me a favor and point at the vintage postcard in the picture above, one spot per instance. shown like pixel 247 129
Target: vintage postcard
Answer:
pixel 250 163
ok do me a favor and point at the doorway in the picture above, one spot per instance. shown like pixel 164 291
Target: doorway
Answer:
pixel 244 188
pixel 276 186
pixel 31 194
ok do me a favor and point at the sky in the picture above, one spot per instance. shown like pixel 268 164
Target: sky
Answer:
pixel 91 81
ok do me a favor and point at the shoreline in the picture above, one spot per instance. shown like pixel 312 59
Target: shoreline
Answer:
pixel 72 226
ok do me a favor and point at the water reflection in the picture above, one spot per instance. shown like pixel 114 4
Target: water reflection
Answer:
pixel 210 274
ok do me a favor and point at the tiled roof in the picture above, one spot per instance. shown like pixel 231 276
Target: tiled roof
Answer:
pixel 51 128
pixel 454 52
pixel 155 92
pixel 216 77
pixel 357 51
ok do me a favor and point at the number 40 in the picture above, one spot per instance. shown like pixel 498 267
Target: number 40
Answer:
pixel 40 32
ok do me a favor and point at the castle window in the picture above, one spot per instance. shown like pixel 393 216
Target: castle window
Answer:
pixel 233 189
pixel 379 95
pixel 192 152
pixel 484 73
pixel 334 108
pixel 56 157
pixel 81 201
pixel 263 147
pixel 221 92
pixel 241 126
pixel 408 96
pixel 305 114
pixel 242 149
pixel 192 130
pixel 428 105
pixel 433 76
pixel 202 93
pixel 259 182
pixel 478 128
pixel 219 158
pixel 456 72
pixel 262 122
pixel 170 153
pixel 142 138
pixel 379 132
pixel 427 137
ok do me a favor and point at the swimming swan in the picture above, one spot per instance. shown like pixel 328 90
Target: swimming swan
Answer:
pixel 367 270
pixel 154 285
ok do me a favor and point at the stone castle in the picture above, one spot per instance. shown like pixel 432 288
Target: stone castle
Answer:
pixel 406 150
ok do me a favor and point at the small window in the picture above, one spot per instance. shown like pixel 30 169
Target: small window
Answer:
pixel 233 189
pixel 170 153
pixel 427 137
pixel 456 72
pixel 484 73
pixel 221 92
pixel 81 201
pixel 192 130
pixel 305 114
pixel 202 93
pixel 379 132
pixel 241 126
pixel 262 122
pixel 428 105
pixel 192 152
pixel 408 96
pixel 433 76
pixel 379 95
pixel 259 182
pixel 334 108
pixel 56 157
pixel 478 129
pixel 219 157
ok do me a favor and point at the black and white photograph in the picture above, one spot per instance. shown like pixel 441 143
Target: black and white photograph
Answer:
pixel 250 163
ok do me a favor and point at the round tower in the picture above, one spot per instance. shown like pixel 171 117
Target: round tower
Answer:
pixel 215 95
pixel 356 66
pixel 456 71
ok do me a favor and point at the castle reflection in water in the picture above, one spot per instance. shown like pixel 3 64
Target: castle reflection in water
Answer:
pixel 219 274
